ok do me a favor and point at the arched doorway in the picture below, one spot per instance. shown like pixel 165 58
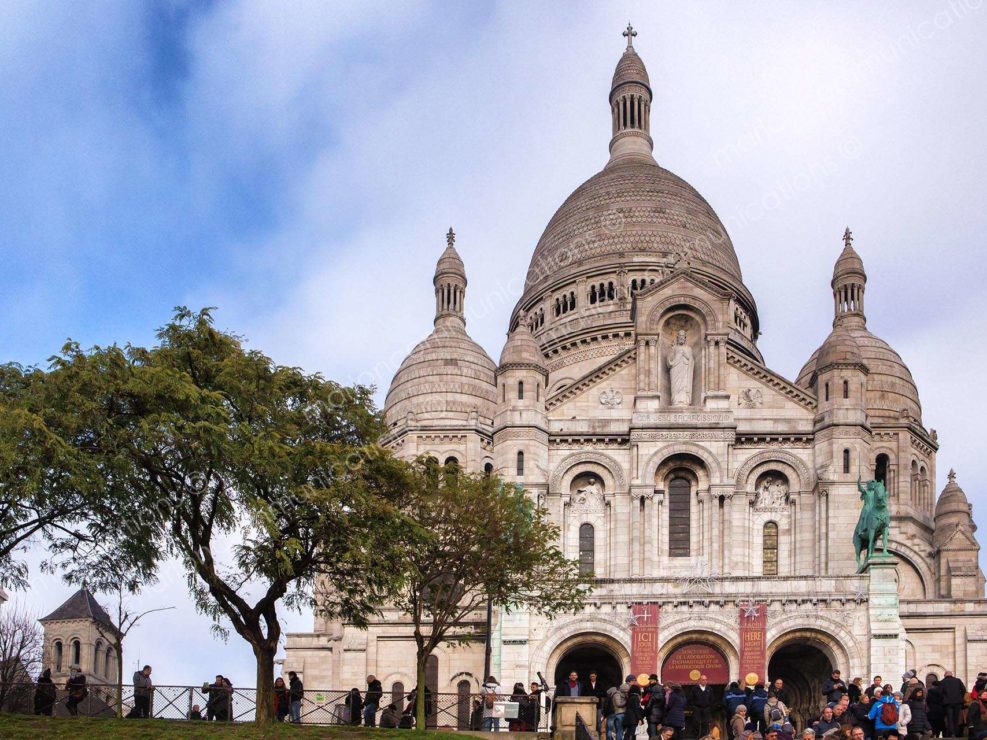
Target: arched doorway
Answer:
pixel 584 659
pixel 803 667
pixel 686 664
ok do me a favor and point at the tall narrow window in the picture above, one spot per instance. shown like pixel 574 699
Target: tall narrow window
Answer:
pixel 769 548
pixel 586 549
pixel 679 517
pixel 108 669
pixel 57 649
pixel 76 652
pixel 881 469
pixel 520 390
pixel 846 461
pixel 96 652
pixel 846 389
pixel 520 463
pixel 826 386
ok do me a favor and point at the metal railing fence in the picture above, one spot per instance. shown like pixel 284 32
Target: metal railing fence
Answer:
pixel 453 711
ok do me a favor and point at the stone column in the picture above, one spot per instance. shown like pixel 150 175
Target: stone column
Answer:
pixel 887 639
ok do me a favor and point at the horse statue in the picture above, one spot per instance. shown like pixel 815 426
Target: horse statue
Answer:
pixel 874 519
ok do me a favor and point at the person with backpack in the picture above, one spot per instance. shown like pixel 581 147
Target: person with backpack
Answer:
pixel 489 693
pixel 775 712
pixel 976 715
pixel 615 704
pixel 885 714
pixel 756 705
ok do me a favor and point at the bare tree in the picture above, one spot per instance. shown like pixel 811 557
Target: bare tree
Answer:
pixel 21 644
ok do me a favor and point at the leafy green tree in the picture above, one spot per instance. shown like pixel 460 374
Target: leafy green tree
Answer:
pixel 47 485
pixel 477 541
pixel 265 482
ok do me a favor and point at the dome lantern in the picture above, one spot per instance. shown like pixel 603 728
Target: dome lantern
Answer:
pixel 630 105
pixel 848 284
pixel 450 285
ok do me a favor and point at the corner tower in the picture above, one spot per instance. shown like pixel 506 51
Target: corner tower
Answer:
pixel 630 105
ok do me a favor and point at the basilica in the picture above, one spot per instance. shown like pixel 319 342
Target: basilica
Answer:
pixel 712 500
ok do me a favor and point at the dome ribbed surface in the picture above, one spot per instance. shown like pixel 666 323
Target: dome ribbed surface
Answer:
pixel 952 500
pixel 632 209
pixel 450 262
pixel 522 349
pixel 444 378
pixel 848 263
pixel 630 68
pixel 890 386
pixel 839 347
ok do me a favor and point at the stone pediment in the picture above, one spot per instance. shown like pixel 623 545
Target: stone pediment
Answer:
pixel 594 378
pixel 959 539
pixel 682 287
pixel 763 383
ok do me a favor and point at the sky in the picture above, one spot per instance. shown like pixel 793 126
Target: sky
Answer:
pixel 296 165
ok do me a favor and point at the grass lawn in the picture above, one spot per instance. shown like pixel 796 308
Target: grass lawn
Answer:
pixel 20 727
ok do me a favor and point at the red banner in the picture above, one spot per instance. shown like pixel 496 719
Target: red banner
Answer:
pixel 644 638
pixel 753 641
pixel 686 664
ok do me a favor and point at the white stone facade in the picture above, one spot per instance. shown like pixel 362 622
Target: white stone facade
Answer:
pixel 701 491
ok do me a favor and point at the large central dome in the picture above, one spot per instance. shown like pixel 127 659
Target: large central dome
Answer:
pixel 633 210
pixel 629 225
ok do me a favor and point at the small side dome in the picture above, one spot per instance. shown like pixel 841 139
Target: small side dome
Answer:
pixel 952 500
pixel 839 348
pixel 521 348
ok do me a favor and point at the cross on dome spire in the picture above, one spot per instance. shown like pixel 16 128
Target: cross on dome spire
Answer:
pixel 450 237
pixel 951 475
pixel 847 237
pixel 629 34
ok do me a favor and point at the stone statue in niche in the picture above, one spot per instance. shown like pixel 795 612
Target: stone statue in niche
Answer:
pixel 587 497
pixel 680 370
pixel 772 494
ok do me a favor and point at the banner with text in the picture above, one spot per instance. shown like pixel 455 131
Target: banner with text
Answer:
pixel 753 641
pixel 644 638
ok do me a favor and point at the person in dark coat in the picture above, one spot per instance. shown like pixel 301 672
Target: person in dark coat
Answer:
pixel 778 689
pixel 532 715
pixel 934 709
pixel 675 709
pixel 520 697
pixel 354 702
pixel 860 715
pixel 570 687
pixel 701 701
pixel 755 706
pixel 633 712
pixel 44 694
pixel 854 690
pixel 281 704
pixel 77 690
pixel 654 705
pixel 390 717
pixel 733 698
pixel 375 692
pixel 919 723
pixel 952 690
pixel 976 715
pixel 834 688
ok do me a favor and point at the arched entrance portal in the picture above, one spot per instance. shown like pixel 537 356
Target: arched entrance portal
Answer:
pixel 686 664
pixel 584 659
pixel 803 667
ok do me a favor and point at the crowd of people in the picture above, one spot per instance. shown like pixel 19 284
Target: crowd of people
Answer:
pixel 846 711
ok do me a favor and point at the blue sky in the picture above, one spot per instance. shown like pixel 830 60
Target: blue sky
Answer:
pixel 297 166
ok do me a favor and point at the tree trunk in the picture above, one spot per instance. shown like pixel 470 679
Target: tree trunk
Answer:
pixel 118 647
pixel 420 693
pixel 265 682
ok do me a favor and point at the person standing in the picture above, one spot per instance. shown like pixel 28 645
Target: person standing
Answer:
pixel 675 705
pixel 354 703
pixel 570 687
pixel 214 698
pixel 614 708
pixel 834 688
pixel 877 683
pixel 919 723
pixel 738 722
pixel 654 705
pixel 44 694
pixel 855 689
pixel 934 709
pixel 633 712
pixel 778 689
pixel 142 693
pixel 952 690
pixel 593 688
pixel 77 690
pixel 371 702
pixel 489 693
pixel 701 700
pixel 281 702
pixel 296 691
